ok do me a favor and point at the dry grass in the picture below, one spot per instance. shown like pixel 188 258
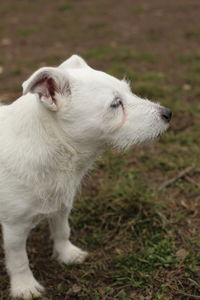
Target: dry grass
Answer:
pixel 144 243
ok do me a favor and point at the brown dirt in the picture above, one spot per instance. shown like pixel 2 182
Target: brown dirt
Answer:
pixel 38 33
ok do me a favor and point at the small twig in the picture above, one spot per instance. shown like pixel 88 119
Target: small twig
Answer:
pixel 195 283
pixel 178 176
pixel 188 295
pixel 191 180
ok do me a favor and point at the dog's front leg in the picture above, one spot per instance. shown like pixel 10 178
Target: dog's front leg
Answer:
pixel 64 250
pixel 23 284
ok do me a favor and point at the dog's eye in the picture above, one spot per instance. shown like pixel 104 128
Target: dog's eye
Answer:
pixel 116 102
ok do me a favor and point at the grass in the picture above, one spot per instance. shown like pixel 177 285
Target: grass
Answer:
pixel 144 243
pixel 138 10
pixel 133 231
pixel 119 54
pixel 64 7
pixel 26 32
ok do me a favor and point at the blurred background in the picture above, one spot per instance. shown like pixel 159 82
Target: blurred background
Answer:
pixel 138 212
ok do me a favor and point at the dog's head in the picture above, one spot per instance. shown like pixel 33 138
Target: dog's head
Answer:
pixel 94 108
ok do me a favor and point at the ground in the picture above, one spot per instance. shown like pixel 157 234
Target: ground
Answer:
pixel 143 232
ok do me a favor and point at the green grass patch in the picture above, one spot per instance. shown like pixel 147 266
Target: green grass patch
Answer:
pixel 119 54
pixel 137 269
pixel 190 58
pixel 64 7
pixel 138 10
pixel 26 32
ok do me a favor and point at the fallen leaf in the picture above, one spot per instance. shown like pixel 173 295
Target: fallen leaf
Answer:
pixel 76 288
pixel 181 254
pixel 6 42
pixel 186 87
pixel 119 251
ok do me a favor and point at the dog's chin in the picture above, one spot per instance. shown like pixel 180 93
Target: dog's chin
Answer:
pixel 161 132
pixel 166 127
pixel 140 142
pixel 152 138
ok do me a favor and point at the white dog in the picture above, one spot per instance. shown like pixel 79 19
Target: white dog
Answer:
pixel 49 138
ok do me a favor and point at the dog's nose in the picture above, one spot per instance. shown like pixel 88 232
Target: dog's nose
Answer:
pixel 166 114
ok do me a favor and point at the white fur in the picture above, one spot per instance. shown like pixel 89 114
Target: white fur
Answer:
pixel 49 138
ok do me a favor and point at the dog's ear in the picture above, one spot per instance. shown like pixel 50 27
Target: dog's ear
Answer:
pixel 47 83
pixel 74 62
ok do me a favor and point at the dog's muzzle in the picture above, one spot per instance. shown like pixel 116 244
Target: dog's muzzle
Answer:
pixel 166 114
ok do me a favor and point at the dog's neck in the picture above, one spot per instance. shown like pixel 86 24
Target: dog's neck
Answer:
pixel 47 130
pixel 44 158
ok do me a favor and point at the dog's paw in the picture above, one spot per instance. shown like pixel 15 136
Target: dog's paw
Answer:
pixel 71 254
pixel 26 289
